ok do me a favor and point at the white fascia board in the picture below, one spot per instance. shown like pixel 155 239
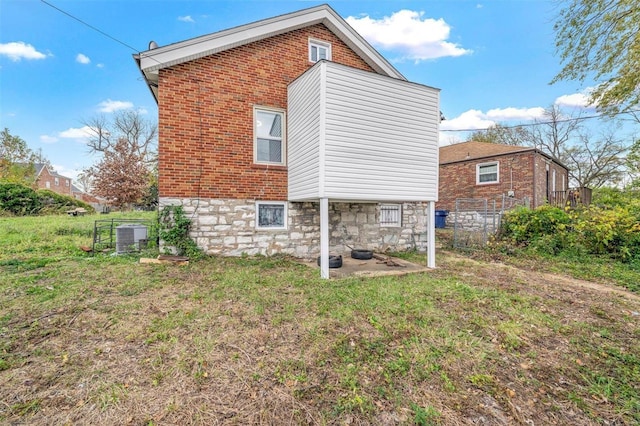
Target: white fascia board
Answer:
pixel 162 57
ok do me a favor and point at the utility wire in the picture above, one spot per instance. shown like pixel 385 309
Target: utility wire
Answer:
pixel 90 26
pixel 588 117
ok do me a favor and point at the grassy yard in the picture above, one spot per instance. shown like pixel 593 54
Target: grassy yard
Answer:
pixel 102 339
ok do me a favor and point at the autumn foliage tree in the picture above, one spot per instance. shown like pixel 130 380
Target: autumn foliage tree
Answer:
pixel 121 177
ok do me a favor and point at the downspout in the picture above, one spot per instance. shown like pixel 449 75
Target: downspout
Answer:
pixel 535 186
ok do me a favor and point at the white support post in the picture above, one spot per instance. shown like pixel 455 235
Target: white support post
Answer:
pixel 324 238
pixel 431 235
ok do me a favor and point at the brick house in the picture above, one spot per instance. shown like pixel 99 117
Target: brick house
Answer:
pixel 49 179
pixel 293 135
pixel 495 172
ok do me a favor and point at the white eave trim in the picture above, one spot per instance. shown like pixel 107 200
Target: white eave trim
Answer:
pixel 151 61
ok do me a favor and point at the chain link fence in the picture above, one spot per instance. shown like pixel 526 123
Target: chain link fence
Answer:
pixel 475 219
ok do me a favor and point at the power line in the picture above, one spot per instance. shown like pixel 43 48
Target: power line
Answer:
pixel 90 26
pixel 588 117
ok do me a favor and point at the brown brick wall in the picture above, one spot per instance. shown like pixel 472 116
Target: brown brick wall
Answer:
pixel 64 183
pixel 206 115
pixel 458 180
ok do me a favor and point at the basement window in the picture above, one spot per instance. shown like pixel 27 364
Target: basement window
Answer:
pixel 390 215
pixel 319 50
pixel 271 215
pixel 487 173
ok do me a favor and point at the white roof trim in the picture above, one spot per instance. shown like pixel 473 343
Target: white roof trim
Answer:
pixel 151 61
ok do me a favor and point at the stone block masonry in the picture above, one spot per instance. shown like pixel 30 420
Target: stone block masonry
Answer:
pixel 227 227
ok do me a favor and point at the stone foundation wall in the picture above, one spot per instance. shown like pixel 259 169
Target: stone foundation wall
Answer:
pixel 228 227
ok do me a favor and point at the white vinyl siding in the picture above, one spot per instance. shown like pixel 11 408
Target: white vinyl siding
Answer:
pixel 377 136
pixel 304 158
pixel 487 173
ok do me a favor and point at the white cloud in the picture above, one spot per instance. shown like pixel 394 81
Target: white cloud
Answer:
pixel 82 133
pixel 72 173
pixel 577 100
pixel 474 119
pixel 407 33
pixel 507 114
pixel 83 59
pixel 100 65
pixel 187 18
pixel 109 105
pixel 18 50
pixel 48 139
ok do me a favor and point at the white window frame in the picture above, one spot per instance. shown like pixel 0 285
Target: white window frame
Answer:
pixel 56 181
pixel 47 184
pixel 390 210
pixel 272 203
pixel 492 163
pixel 283 141
pixel 318 45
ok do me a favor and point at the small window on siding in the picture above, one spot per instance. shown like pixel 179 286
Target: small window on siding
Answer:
pixel 487 173
pixel 47 184
pixel 390 215
pixel 66 182
pixel 319 50
pixel 271 215
pixel 57 181
pixel 269 131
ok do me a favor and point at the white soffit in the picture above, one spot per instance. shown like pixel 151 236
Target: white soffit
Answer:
pixel 151 61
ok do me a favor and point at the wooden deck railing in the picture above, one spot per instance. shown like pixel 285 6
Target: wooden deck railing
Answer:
pixel 570 198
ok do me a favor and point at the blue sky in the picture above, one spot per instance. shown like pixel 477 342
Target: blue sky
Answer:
pixel 492 59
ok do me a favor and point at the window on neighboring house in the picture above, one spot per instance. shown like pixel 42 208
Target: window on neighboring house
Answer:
pixel 269 142
pixel 487 173
pixel 57 181
pixel 319 50
pixel 390 215
pixel 271 215
pixel 47 184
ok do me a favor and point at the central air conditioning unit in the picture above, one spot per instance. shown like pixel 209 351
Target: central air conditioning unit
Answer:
pixel 130 238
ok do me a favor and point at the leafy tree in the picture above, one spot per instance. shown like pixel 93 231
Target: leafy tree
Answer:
pixel 127 127
pixel 121 176
pixel 517 136
pixel 599 39
pixel 633 165
pixel 592 161
pixel 16 159
pixel 595 162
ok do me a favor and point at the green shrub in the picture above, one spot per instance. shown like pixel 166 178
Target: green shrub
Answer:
pixel 174 227
pixel 547 230
pixel 18 200
pixel 614 231
pixel 524 225
pixel 53 203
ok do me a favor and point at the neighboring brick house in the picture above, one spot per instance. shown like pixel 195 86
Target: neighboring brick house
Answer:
pixel 495 172
pixel 293 135
pixel 49 179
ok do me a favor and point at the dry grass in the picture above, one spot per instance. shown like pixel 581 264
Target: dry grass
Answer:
pixel 106 340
